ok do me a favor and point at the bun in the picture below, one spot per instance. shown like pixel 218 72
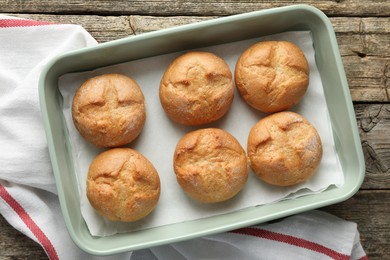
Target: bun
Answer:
pixel 210 165
pixel 109 110
pixel 197 88
pixel 122 185
pixel 284 149
pixel 272 76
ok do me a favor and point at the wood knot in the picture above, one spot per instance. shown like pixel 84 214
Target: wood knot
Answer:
pixel 360 54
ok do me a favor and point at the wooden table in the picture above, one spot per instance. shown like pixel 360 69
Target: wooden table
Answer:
pixel 363 34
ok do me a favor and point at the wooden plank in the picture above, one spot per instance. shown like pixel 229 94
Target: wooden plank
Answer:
pixel 360 70
pixel 349 25
pixel 375 25
pixel 374 128
pixel 363 45
pixel 203 8
pixel 143 24
pixel 367 92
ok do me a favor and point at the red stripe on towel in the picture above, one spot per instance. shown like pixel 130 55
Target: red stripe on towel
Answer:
pixel 30 223
pixel 21 23
pixel 291 240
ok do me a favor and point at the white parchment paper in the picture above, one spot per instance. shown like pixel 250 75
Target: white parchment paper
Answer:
pixel 160 136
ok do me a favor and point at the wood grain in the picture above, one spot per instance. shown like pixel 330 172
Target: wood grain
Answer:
pixel 15 245
pixel 202 8
pixel 110 25
pixel 374 127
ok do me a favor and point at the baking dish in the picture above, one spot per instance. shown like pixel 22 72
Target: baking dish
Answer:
pixel 212 32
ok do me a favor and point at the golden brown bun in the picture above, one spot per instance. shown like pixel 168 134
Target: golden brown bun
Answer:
pixel 197 88
pixel 122 185
pixel 210 165
pixel 109 110
pixel 272 76
pixel 284 149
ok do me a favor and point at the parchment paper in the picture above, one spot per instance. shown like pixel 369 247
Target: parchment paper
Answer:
pixel 160 136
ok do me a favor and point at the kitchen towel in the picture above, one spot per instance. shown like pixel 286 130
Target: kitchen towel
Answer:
pixel 28 199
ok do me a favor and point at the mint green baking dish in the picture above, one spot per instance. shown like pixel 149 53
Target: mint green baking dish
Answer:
pixel 212 32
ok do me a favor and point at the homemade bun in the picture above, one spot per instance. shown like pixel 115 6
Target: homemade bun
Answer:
pixel 197 88
pixel 284 149
pixel 122 185
pixel 210 165
pixel 109 110
pixel 272 76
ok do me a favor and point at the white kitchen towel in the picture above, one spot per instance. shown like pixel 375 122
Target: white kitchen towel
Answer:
pixel 310 235
pixel 28 199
